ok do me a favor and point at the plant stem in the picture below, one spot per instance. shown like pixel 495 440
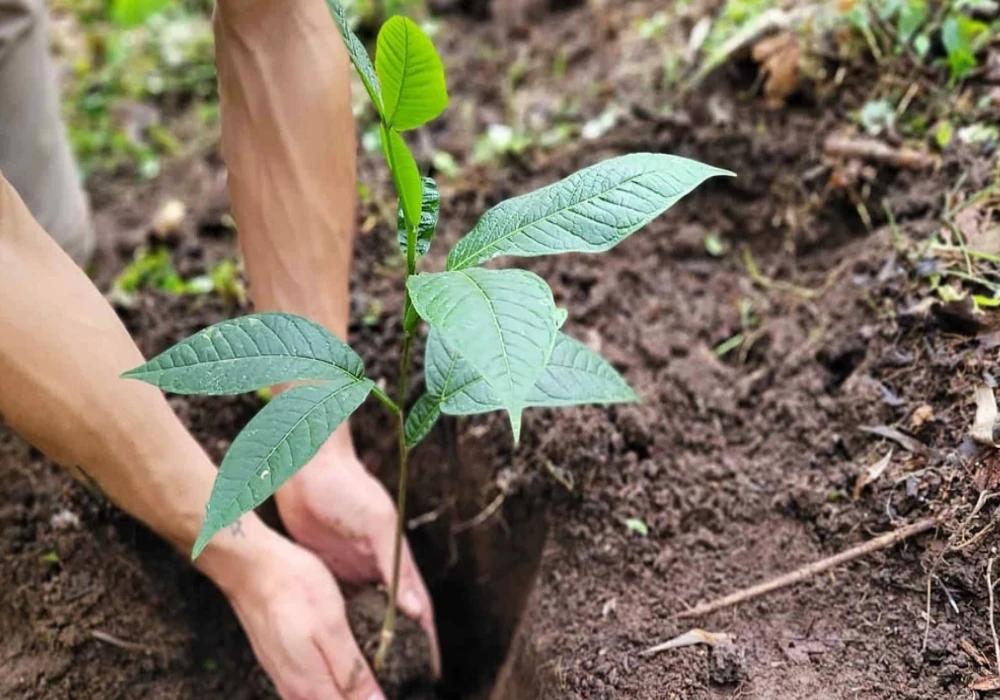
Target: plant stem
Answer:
pixel 389 622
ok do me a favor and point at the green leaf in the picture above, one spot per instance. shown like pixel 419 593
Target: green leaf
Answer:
pixel 637 525
pixel 912 16
pixel 405 175
pixel 250 352
pixel 411 74
pixel 421 418
pixel 573 375
pixel 274 445
pixel 503 320
pixel 431 204
pixel 962 38
pixel 359 56
pixel 132 13
pixel 588 212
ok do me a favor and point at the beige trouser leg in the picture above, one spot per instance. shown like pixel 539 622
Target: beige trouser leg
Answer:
pixel 34 151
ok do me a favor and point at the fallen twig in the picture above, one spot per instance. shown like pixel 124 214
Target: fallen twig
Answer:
pixel 806 572
pixel 993 620
pixel 875 150
pixel 111 639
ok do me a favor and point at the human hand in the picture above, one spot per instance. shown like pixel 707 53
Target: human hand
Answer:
pixel 336 509
pixel 293 613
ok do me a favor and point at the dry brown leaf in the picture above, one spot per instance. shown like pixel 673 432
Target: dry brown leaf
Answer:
pixel 923 413
pixel 690 638
pixel 978 229
pixel 870 474
pixel 986 416
pixel 986 683
pixel 969 648
pixel 778 57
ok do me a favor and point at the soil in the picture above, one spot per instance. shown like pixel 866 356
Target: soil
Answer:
pixel 407 671
pixel 740 466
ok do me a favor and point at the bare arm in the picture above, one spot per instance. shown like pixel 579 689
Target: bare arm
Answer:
pixel 62 349
pixel 289 143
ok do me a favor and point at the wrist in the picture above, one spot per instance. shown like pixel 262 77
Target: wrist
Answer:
pixel 237 555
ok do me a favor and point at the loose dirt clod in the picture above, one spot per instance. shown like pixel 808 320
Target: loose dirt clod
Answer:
pixel 726 664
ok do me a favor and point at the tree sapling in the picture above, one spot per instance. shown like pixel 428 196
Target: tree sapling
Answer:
pixel 494 340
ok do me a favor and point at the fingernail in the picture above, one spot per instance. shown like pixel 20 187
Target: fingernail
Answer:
pixel 410 602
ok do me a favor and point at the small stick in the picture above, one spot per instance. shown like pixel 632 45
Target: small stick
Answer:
pixel 111 639
pixel 993 620
pixel 806 572
pixel 872 149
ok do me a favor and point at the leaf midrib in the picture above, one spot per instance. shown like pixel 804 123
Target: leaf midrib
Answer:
pixel 250 359
pixel 402 77
pixel 496 325
pixel 465 261
pixel 294 426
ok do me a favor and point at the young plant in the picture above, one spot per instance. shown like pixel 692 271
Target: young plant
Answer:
pixel 494 341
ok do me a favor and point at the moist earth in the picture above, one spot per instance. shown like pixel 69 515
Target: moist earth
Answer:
pixel 738 465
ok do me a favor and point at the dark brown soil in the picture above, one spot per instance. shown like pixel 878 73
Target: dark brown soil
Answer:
pixel 741 466
pixel 407 671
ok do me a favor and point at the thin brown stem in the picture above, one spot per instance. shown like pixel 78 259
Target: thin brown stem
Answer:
pixel 389 622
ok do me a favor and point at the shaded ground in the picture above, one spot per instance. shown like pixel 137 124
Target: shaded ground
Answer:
pixel 740 464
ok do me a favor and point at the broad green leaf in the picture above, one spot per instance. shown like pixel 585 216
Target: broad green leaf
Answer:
pixel 250 352
pixel 573 375
pixel 421 418
pixel 132 13
pixel 431 203
pixel 588 212
pixel 405 175
pixel 359 56
pixel 504 321
pixel 274 445
pixel 412 77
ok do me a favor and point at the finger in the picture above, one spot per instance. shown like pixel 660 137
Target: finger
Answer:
pixel 354 677
pixel 413 599
pixel 295 665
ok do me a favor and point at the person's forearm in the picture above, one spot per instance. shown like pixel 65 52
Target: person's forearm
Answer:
pixel 289 143
pixel 62 349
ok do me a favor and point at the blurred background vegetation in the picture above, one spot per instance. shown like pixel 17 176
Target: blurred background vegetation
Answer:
pixel 140 76
pixel 140 80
